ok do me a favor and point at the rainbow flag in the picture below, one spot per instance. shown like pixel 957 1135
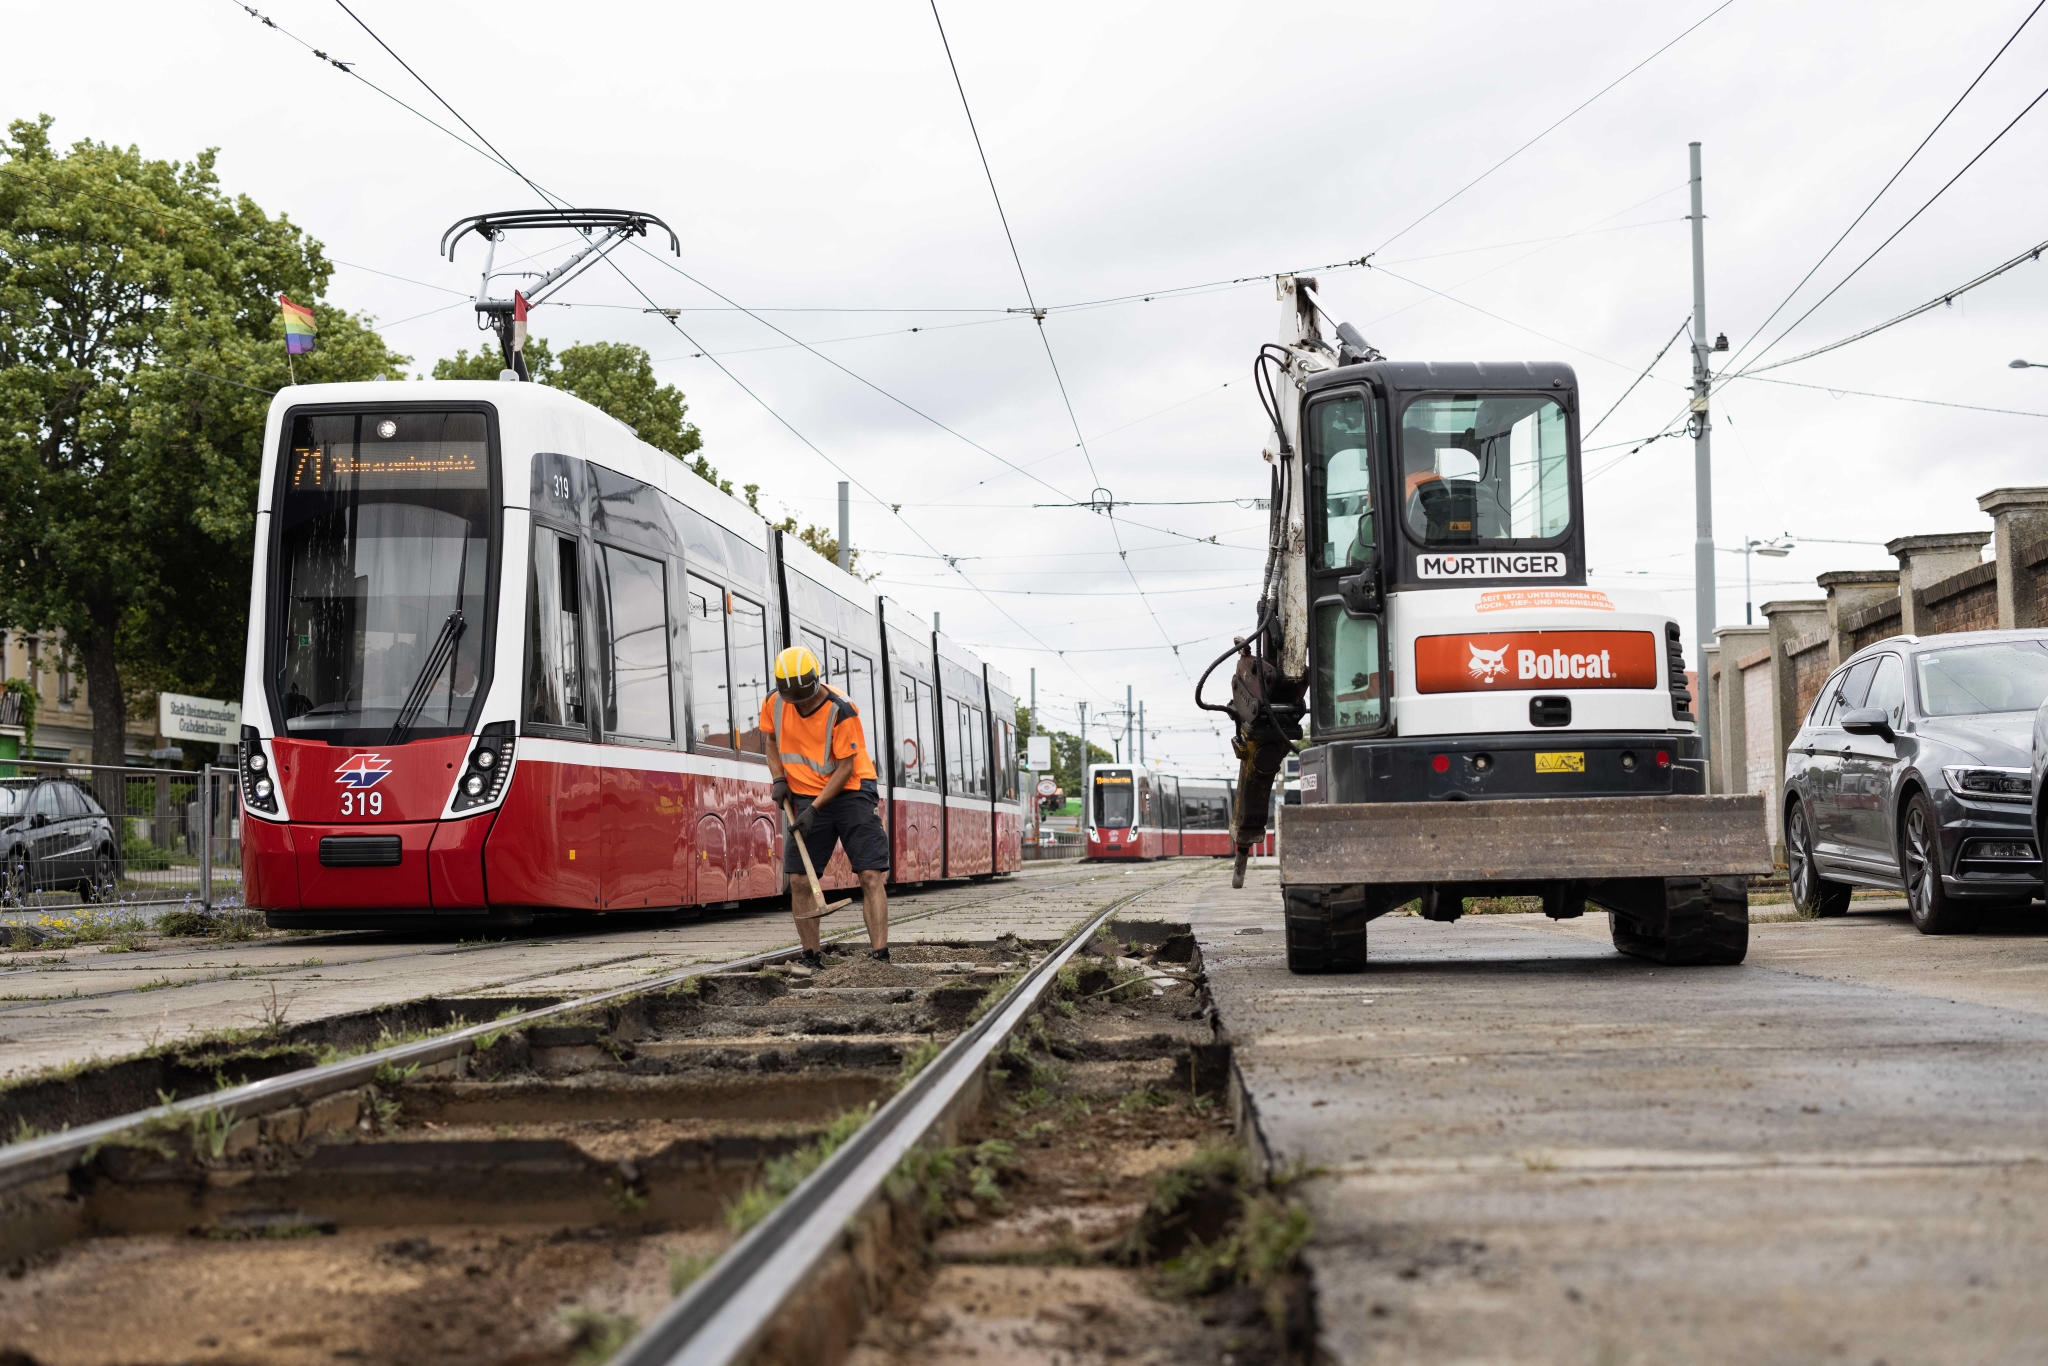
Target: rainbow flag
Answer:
pixel 298 327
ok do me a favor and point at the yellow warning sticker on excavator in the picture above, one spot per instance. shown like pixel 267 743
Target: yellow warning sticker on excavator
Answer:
pixel 1561 763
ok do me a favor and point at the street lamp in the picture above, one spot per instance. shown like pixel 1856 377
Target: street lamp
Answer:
pixel 2026 365
pixel 1777 548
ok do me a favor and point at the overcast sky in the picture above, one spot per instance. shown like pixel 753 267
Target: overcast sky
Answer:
pixel 815 158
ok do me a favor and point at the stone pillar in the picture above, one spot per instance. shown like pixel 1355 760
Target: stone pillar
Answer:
pixel 1927 560
pixel 1786 621
pixel 1706 703
pixel 2018 517
pixel 1731 734
pixel 1850 591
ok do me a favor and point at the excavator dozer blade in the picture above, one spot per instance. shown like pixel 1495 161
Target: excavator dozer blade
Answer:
pixel 1523 840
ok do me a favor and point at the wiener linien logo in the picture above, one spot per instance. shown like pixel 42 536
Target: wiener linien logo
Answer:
pixel 363 772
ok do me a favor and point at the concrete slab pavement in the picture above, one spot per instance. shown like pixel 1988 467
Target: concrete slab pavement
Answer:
pixel 60 1007
pixel 1529 1149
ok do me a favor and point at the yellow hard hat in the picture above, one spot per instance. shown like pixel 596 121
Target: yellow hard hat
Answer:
pixel 796 672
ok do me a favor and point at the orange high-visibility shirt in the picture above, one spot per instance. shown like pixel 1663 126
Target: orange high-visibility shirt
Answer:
pixel 810 747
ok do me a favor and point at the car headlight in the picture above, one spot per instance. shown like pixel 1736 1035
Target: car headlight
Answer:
pixel 1990 784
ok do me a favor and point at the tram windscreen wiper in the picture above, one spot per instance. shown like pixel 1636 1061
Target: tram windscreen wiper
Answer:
pixel 437 660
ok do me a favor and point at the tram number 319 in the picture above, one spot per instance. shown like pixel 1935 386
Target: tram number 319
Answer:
pixel 362 803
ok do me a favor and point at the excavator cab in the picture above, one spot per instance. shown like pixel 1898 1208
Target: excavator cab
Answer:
pixel 1479 720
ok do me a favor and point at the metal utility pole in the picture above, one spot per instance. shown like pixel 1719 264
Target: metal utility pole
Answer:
pixel 1081 764
pixel 1702 466
pixel 1141 732
pixel 845 527
pixel 1127 721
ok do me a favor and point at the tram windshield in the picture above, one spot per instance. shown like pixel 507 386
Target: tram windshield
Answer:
pixel 1113 803
pixel 1485 470
pixel 384 533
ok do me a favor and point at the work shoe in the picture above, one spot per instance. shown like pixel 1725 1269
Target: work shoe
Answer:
pixel 813 960
pixel 880 955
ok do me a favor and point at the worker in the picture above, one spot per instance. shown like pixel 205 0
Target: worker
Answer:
pixel 819 758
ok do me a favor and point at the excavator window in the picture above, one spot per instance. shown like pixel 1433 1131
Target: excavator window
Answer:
pixel 1485 470
pixel 1341 441
pixel 1346 682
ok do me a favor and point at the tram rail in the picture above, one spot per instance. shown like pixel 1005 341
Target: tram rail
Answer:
pixel 692 1083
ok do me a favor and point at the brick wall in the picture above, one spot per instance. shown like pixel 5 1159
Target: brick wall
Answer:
pixel 1809 668
pixel 1963 602
pixel 2030 586
pixel 1871 624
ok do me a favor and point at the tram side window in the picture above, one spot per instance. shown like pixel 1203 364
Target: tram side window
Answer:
pixel 833 661
pixel 927 734
pixel 815 643
pixel 860 686
pixel 1009 760
pixel 956 748
pixel 636 696
pixel 710 720
pixel 977 734
pixel 1148 813
pixel 749 672
pixel 554 694
pixel 903 763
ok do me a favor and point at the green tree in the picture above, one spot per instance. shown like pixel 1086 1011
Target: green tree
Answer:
pixel 140 338
pixel 617 378
pixel 821 539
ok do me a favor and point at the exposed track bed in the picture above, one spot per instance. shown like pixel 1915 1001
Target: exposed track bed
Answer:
pixel 534 1197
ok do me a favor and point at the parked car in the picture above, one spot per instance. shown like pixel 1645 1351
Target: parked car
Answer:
pixel 56 837
pixel 1913 771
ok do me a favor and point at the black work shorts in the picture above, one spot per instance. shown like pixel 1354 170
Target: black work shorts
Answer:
pixel 852 819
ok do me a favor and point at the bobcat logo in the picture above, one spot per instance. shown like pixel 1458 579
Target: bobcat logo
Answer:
pixel 1486 665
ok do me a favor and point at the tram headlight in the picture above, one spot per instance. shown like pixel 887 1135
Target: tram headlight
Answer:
pixel 258 792
pixel 490 766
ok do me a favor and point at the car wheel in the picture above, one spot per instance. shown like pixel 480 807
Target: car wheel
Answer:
pixel 100 880
pixel 1812 894
pixel 1933 910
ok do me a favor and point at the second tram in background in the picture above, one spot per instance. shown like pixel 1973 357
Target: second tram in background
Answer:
pixel 1131 811
pixel 506 658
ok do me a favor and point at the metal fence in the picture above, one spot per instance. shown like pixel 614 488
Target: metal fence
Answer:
pixel 73 834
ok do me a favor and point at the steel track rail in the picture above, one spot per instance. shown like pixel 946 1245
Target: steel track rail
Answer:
pixel 54 1154
pixel 721 1318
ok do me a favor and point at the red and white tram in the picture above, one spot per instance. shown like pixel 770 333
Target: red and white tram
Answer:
pixel 505 658
pixel 1135 812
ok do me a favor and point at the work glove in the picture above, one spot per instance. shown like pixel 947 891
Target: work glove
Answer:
pixel 779 791
pixel 804 820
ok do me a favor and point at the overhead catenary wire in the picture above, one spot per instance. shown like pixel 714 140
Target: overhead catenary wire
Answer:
pixel 1081 440
pixel 1683 324
pixel 1981 153
pixel 1761 327
pixel 1941 300
pixel 499 158
pixel 1446 202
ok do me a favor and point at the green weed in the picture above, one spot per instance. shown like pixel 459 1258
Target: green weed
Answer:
pixel 919 1056
pixel 781 1175
pixel 684 1272
pixel 598 1336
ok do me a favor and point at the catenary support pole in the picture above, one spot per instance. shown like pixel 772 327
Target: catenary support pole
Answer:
pixel 1128 751
pixel 1141 732
pixel 1702 467
pixel 845 527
